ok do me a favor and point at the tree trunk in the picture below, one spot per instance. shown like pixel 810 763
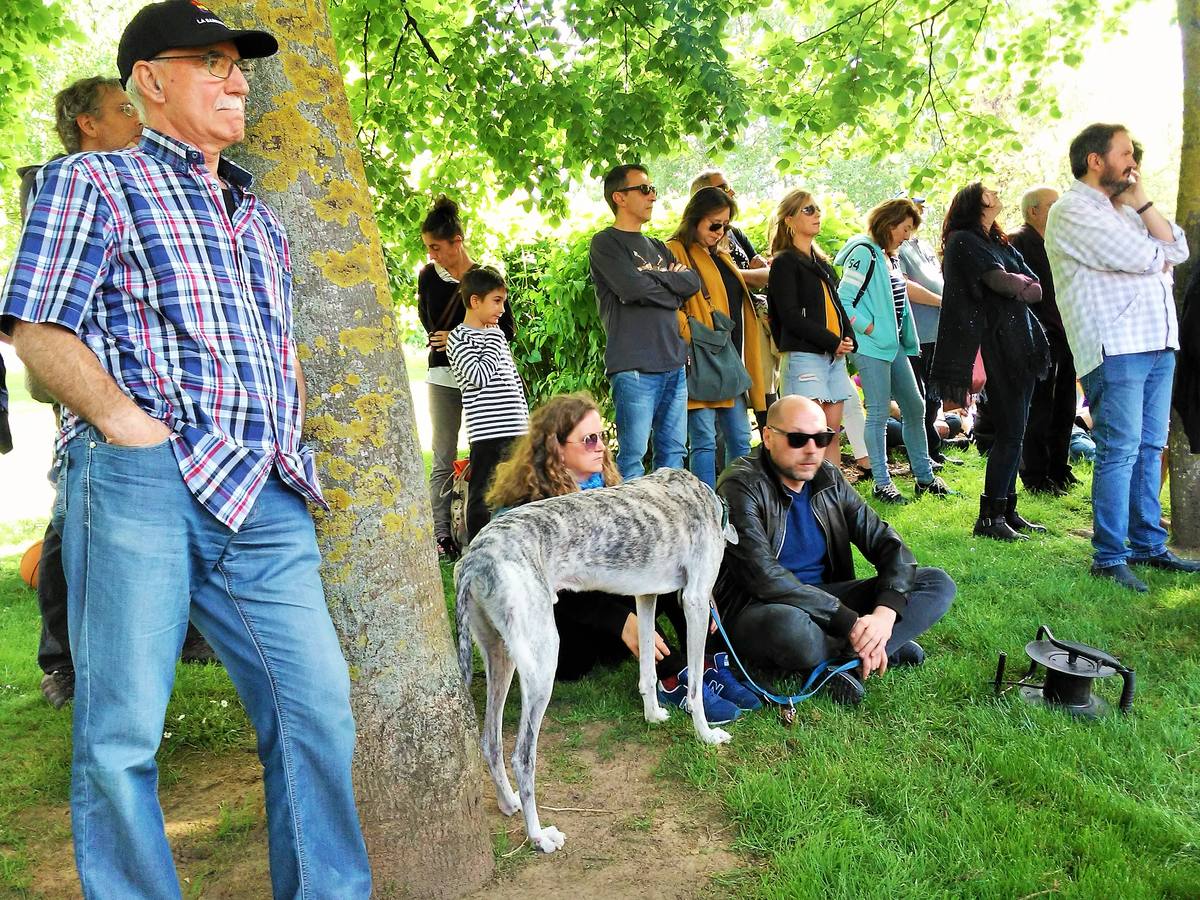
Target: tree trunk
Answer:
pixel 1185 466
pixel 417 772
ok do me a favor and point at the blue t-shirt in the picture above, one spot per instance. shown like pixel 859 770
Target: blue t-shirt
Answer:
pixel 803 552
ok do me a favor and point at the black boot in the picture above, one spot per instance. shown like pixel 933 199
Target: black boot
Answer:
pixel 992 523
pixel 1018 522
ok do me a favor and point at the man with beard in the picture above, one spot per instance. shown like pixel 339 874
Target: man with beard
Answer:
pixel 1108 248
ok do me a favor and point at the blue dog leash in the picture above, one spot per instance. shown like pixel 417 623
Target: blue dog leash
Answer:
pixel 816 680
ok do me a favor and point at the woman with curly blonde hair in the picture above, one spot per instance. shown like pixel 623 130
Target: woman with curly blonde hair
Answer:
pixel 563 452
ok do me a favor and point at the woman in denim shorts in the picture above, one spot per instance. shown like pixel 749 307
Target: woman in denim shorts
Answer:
pixel 809 325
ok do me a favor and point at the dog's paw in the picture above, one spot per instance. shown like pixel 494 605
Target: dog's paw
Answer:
pixel 716 736
pixel 549 840
pixel 508 805
pixel 658 714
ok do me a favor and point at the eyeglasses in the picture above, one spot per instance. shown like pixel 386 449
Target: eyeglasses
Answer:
pixel 811 210
pixel 644 189
pixel 128 109
pixel 593 441
pixel 726 187
pixel 219 65
pixel 797 439
pixel 716 227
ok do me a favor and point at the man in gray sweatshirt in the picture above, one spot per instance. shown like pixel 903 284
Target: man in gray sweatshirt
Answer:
pixel 639 288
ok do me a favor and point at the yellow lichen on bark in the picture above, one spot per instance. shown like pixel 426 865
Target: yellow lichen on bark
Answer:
pixel 346 269
pixel 284 136
pixel 340 202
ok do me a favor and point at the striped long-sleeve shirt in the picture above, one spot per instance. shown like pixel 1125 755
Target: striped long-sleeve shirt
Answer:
pixel 492 395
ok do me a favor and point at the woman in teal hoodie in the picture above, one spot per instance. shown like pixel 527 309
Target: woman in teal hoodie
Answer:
pixel 874 293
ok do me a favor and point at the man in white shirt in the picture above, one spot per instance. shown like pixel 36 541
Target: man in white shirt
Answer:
pixel 1108 248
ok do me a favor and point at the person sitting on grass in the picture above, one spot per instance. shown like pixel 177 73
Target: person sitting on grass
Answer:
pixel 493 397
pixel 787 590
pixel 565 452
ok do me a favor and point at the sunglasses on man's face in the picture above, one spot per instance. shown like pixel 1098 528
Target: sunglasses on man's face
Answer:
pixel 644 189
pixel 591 442
pixel 717 227
pixel 797 439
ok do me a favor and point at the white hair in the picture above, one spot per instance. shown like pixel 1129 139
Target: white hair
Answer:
pixel 134 93
pixel 1032 199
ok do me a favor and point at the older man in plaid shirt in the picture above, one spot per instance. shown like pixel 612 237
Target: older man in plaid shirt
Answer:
pixel 151 294
pixel 1111 252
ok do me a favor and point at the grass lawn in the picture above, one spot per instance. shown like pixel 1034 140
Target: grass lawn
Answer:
pixel 932 788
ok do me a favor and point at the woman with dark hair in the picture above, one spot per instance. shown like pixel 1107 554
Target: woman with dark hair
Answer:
pixel 563 452
pixel 809 326
pixel 699 243
pixel 441 310
pixel 874 294
pixel 985 308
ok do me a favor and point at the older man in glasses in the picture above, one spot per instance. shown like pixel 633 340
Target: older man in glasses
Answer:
pixel 787 589
pixel 152 297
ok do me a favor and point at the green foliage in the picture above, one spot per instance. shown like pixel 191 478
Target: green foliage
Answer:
pixel 504 99
pixel 559 345
pixel 32 31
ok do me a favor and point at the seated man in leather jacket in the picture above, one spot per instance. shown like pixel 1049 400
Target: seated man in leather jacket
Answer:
pixel 787 590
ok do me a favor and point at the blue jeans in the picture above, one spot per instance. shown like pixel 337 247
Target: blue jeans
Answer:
pixel 139 551
pixel 648 402
pixel 1130 399
pixel 883 380
pixel 702 438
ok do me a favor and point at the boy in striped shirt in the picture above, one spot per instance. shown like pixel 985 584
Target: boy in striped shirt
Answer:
pixel 492 395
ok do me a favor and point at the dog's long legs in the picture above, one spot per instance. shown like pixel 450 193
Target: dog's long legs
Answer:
pixel 500 667
pixel 696 596
pixel 537 663
pixel 647 679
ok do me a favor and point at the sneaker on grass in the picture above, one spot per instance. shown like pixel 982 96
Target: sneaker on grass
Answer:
pixel 58 687
pixel 724 683
pixel 673 692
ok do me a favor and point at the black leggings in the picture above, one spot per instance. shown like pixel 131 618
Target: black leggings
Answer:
pixel 1009 394
pixel 589 632
pixel 780 637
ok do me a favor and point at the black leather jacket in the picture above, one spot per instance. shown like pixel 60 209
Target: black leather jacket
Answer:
pixel 758 509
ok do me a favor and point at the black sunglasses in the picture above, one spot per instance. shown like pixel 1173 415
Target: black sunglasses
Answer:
pixel 644 189
pixel 797 439
pixel 719 226
pixel 811 210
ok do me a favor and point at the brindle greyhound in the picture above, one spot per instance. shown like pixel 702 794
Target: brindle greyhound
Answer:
pixel 645 537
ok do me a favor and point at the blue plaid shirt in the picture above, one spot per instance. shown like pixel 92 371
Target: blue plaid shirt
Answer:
pixel 188 309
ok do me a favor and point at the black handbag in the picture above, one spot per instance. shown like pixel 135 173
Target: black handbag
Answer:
pixel 715 370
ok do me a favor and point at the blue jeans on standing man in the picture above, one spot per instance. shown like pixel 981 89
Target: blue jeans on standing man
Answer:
pixel 702 438
pixel 881 381
pixel 647 402
pixel 140 552
pixel 1130 400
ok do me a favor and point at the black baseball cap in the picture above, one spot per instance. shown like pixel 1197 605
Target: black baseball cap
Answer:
pixel 183 23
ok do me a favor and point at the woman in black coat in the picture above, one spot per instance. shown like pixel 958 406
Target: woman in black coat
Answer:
pixel 985 308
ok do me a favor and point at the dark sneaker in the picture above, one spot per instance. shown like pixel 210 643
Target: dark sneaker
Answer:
pixel 844 688
pixel 909 653
pixel 1122 576
pixel 725 684
pixel 888 493
pixel 448 549
pixel 936 488
pixel 58 687
pixel 1167 560
pixel 716 710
